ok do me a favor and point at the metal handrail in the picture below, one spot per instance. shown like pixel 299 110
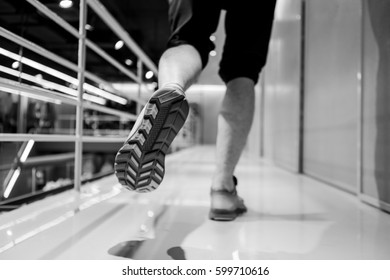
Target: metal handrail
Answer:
pixel 41 160
pixel 105 139
pixel 70 65
pixel 23 89
pixel 19 137
pixel 48 159
pixel 37 49
pixel 110 21
pixel 48 94
pixel 99 118
pixel 109 111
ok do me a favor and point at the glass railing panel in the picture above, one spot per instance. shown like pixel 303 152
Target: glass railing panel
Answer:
pixel 38 94
pixel 100 124
pixel 29 168
pixel 21 114
pixel 98 160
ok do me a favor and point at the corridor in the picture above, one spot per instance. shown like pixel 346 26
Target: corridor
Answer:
pixel 290 217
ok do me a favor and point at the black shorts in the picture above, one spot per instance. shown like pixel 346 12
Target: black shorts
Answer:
pixel 248 26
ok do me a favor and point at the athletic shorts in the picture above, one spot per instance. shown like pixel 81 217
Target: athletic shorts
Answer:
pixel 248 25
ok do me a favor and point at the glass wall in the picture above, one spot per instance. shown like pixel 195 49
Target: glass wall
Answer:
pixel 332 71
pixel 282 86
pixel 30 168
pixel 376 103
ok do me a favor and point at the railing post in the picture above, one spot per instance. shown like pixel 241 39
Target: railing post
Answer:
pixel 139 75
pixel 78 164
pixel 33 180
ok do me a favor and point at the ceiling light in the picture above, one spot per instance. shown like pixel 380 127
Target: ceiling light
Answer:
pixel 213 53
pixel 119 44
pixel 150 213
pixel 149 75
pixel 212 38
pixel 27 150
pixel 66 4
pixel 128 62
pixel 15 65
pixel 88 27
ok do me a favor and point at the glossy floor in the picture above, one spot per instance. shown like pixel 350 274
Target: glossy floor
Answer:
pixel 290 217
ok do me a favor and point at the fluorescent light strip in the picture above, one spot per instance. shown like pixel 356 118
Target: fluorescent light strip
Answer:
pixel 63 76
pixel 66 4
pixel 11 183
pixel 105 94
pixel 39 66
pixel 94 99
pixel 30 95
pixel 47 84
pixel 42 82
pixel 27 150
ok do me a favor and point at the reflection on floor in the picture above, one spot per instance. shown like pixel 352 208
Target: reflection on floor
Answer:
pixel 290 217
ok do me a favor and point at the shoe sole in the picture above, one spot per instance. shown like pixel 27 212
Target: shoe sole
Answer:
pixel 140 163
pixel 225 215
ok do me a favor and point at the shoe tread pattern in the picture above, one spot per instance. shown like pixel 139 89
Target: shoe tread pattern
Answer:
pixel 139 164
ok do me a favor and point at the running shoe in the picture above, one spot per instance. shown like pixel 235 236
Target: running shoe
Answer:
pixel 140 163
pixel 225 197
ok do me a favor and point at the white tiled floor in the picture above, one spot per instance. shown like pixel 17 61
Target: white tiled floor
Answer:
pixel 290 217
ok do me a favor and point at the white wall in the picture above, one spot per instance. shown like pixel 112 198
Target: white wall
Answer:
pixel 282 87
pixel 332 64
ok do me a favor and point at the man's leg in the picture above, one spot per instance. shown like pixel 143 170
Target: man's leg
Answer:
pixel 248 27
pixel 179 65
pixel 139 164
pixel 234 123
pixel 192 22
